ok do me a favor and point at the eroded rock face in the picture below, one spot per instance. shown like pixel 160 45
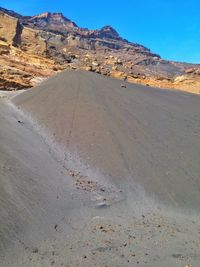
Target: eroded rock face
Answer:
pixel 33 48
pixel 106 32
pixel 19 69
pixel 52 21
pixel 10 29
pixel 32 42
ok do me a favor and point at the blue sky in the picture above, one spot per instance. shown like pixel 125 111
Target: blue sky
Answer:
pixel 170 28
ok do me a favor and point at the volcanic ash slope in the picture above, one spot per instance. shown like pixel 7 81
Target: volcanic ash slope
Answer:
pixel 141 140
pixel 93 174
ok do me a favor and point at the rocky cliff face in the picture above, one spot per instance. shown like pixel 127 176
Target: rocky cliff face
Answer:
pixel 10 29
pixel 51 21
pixel 32 48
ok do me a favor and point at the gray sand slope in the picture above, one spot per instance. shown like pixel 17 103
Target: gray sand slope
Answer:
pixel 92 174
pixel 131 135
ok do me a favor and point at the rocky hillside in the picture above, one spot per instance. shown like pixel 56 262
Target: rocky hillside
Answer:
pixel 33 48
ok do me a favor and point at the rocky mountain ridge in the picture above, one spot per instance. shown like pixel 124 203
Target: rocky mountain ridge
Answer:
pixel 33 48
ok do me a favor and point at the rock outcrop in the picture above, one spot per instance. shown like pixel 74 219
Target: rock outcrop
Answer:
pixel 10 29
pixel 32 42
pixel 50 42
pixel 52 21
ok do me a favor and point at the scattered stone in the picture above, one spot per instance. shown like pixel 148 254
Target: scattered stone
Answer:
pixel 119 61
pixel 35 250
pixel 87 68
pixel 102 205
pixel 115 68
pixel 95 64
pixel 123 85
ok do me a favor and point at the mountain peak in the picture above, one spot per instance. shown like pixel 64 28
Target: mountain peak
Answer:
pixel 52 20
pixel 42 15
pixel 58 14
pixel 108 28
pixel 109 32
pixel 50 15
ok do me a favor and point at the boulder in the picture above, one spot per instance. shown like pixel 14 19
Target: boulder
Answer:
pixel 95 64
pixel 87 68
pixel 118 74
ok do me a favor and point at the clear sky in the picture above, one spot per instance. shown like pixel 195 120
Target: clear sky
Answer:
pixel 170 28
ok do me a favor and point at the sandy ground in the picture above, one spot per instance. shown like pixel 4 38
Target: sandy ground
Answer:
pixel 92 174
